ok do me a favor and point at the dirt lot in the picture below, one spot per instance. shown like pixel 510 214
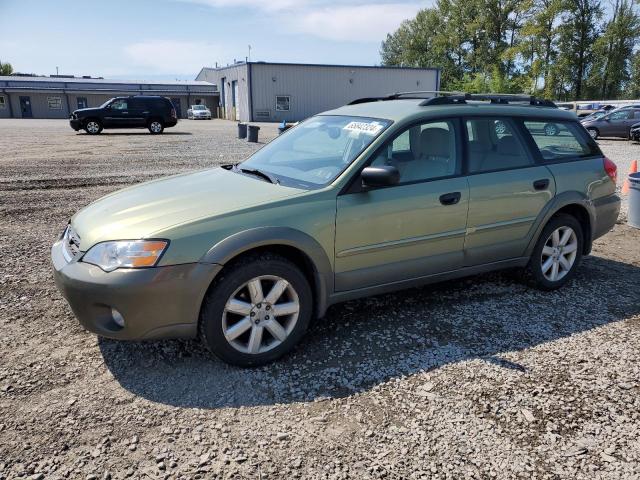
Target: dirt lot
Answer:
pixel 480 378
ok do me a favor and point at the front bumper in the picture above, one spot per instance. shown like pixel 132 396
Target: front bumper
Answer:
pixel 158 302
pixel 75 123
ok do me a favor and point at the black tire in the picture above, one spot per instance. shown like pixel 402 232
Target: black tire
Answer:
pixel 533 271
pixel 155 126
pixel 551 129
pixel 233 278
pixel 90 126
pixel 594 133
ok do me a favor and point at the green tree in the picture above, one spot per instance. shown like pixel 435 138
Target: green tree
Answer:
pixel 613 52
pixel 5 68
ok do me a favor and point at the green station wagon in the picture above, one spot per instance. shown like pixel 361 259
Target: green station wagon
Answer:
pixel 378 195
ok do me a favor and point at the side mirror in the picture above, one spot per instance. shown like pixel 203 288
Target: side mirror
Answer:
pixel 383 176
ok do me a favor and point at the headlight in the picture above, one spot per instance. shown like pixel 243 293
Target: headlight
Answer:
pixel 125 254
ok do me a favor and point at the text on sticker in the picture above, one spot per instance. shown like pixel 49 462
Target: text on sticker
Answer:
pixel 370 128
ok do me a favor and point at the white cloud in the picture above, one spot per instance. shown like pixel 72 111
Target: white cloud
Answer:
pixel 267 5
pixel 360 23
pixel 167 56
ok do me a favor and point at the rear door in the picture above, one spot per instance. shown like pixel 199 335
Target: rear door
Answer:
pixel 139 109
pixel 507 190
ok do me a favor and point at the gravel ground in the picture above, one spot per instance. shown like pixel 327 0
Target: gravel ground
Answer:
pixel 478 378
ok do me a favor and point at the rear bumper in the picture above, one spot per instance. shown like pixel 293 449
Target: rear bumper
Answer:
pixel 170 123
pixel 159 302
pixel 606 214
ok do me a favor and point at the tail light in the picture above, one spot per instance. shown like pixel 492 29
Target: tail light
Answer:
pixel 173 113
pixel 611 169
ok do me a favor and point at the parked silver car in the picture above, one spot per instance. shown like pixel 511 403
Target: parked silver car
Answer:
pixel 199 112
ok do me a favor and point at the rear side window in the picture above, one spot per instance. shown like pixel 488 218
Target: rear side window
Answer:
pixel 561 140
pixel 494 144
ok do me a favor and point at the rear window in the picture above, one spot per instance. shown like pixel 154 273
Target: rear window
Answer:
pixel 561 140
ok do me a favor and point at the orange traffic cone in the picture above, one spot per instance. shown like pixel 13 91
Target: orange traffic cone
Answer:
pixel 633 169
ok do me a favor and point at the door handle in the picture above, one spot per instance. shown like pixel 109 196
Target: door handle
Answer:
pixel 541 184
pixel 450 198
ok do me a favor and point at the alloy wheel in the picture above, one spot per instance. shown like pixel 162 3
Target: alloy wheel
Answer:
pixel 253 322
pixel 93 127
pixel 559 253
pixel 550 129
pixel 593 132
pixel 155 127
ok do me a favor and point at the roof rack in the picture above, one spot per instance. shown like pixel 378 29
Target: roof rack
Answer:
pixel 460 98
pixel 493 98
pixel 416 95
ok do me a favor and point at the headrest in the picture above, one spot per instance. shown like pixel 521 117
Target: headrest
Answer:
pixel 507 145
pixel 435 142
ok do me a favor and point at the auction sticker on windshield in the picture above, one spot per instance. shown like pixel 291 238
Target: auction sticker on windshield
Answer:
pixel 369 128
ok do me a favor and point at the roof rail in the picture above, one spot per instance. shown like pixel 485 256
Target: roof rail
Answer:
pixel 418 94
pixel 494 98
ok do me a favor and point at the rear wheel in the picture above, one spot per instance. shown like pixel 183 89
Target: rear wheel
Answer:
pixel 93 127
pixel 593 132
pixel 256 311
pixel 557 254
pixel 156 126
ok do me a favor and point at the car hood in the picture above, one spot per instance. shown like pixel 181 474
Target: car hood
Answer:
pixel 84 111
pixel 145 210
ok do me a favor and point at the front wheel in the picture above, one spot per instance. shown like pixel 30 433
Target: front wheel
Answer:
pixel 93 127
pixel 557 254
pixel 256 311
pixel 156 126
pixel 551 129
pixel 593 132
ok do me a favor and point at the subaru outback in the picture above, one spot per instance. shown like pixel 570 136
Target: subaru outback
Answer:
pixel 378 195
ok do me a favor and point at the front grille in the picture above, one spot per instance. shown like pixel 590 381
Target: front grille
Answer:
pixel 70 243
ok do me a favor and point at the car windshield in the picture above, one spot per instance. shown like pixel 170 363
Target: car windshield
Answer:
pixel 106 103
pixel 313 153
pixel 199 107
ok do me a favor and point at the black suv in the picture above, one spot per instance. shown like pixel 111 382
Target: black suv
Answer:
pixel 153 112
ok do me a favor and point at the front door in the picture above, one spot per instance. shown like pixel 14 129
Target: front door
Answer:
pixel 412 229
pixel 616 123
pixel 117 114
pixel 507 191
pixel 25 107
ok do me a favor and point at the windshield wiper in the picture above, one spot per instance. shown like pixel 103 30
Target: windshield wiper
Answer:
pixel 260 173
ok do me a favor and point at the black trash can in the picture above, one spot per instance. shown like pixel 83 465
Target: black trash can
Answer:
pixel 252 135
pixel 242 130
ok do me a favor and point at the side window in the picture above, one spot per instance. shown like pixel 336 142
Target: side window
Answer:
pixel 560 140
pixel 120 104
pixel 422 152
pixel 621 115
pixel 636 114
pixel 493 144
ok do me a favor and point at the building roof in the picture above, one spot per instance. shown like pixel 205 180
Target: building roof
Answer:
pixel 328 65
pixel 106 86
pixel 58 80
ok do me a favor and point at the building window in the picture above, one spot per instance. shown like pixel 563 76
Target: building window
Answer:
pixel 55 103
pixel 283 103
pixel 3 103
pixel 82 102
